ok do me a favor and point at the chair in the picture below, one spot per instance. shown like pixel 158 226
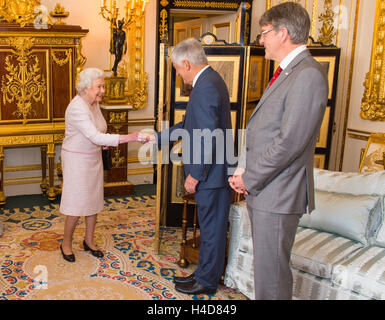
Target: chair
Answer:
pixel 373 158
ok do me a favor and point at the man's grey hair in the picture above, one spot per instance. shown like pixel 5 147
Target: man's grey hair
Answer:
pixel 289 15
pixel 190 50
pixel 87 78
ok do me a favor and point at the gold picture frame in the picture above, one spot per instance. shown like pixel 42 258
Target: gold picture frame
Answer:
pixel 226 66
pixel 180 34
pixel 218 28
pixel 322 138
pixel 196 31
pixel 373 158
pixel 249 110
pixel 329 63
pixel 256 78
pixel 319 161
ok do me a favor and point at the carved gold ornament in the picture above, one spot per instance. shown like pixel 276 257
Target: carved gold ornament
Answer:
pixel 373 100
pixel 163 27
pixel 164 3
pixel 23 82
pixel 19 11
pixel 118 117
pixel 59 13
pixel 62 62
pixel 327 32
pixel 117 160
pixel 138 99
pixel 205 4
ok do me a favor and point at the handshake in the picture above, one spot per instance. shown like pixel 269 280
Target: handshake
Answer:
pixel 146 138
pixel 137 137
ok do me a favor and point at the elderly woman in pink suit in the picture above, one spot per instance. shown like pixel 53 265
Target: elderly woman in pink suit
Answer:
pixel 85 134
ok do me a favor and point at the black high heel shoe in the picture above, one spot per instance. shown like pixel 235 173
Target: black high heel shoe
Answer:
pixel 95 253
pixel 67 257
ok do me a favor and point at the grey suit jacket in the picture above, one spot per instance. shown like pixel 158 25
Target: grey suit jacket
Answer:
pixel 280 139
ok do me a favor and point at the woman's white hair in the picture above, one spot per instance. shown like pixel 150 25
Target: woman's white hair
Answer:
pixel 87 78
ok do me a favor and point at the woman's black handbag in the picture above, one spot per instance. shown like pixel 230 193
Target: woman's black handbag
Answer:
pixel 107 161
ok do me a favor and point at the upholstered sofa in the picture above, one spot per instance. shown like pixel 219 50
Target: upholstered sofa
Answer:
pixel 339 250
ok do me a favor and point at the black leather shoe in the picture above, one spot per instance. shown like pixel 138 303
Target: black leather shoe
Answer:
pixel 184 279
pixel 67 257
pixel 95 253
pixel 193 287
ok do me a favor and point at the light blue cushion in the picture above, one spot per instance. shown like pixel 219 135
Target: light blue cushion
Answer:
pixel 356 217
pixel 378 238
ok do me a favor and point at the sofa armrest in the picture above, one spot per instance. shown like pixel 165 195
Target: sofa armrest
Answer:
pixel 240 228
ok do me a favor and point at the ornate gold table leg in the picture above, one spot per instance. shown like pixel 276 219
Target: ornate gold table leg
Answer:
pixel 51 171
pixel 183 262
pixel 2 197
pixel 43 185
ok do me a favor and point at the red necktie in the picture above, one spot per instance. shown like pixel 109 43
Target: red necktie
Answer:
pixel 275 76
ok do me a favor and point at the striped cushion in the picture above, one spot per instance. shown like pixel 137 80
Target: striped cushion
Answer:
pixel 363 272
pixel 317 252
pixel 309 287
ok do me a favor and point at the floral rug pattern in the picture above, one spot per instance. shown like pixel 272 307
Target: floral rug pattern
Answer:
pixel 31 265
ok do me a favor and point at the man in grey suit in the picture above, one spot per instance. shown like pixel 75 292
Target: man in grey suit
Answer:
pixel 275 170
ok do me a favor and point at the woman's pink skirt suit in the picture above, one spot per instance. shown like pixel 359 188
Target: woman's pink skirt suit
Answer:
pixel 81 157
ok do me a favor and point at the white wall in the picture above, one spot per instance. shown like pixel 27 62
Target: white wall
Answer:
pixel 361 67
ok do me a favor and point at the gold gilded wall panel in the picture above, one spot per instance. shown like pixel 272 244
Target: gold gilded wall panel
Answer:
pixel 373 100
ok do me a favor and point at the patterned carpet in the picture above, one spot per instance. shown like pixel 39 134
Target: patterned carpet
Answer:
pixel 32 268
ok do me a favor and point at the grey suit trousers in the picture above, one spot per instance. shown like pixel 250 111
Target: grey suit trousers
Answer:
pixel 273 237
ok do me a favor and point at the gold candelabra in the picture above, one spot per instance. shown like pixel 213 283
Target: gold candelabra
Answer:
pixel 128 83
pixel 111 12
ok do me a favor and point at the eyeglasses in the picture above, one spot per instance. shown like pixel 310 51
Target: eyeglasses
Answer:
pixel 264 33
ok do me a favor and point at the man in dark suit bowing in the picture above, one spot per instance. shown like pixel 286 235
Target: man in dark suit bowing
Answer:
pixel 204 139
pixel 276 168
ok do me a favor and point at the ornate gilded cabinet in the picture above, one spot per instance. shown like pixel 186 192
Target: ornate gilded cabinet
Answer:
pixel 38 68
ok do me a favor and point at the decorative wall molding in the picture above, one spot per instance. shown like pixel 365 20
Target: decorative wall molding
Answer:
pixel 373 100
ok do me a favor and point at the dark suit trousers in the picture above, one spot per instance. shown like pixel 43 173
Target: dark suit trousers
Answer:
pixel 273 238
pixel 213 213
